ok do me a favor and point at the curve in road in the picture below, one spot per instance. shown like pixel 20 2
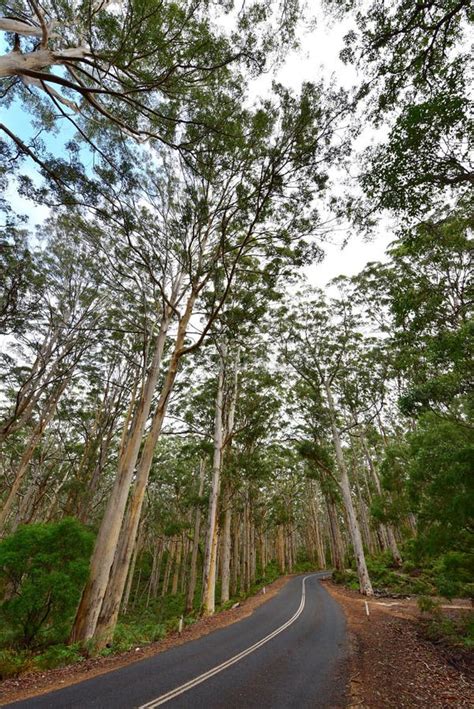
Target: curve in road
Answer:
pixel 290 652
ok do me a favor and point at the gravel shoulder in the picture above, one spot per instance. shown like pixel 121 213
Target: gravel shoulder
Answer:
pixel 392 665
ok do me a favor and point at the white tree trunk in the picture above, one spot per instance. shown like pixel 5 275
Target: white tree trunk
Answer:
pixel 386 528
pixel 226 544
pixel 195 550
pixel 364 579
pixel 46 416
pixel 106 543
pixel 211 556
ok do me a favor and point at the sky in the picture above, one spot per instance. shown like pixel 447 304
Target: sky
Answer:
pixel 318 58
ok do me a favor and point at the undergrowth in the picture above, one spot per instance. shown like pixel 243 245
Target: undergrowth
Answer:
pixel 455 631
pixel 410 579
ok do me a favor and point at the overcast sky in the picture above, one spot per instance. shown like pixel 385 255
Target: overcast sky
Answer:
pixel 319 58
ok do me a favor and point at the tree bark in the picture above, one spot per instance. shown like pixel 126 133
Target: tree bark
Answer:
pixel 47 415
pixel 387 528
pixel 337 549
pixel 211 557
pixel 226 544
pixel 90 605
pixel 364 579
pixel 195 550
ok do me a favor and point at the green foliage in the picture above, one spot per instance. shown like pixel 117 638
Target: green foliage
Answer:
pixel 455 631
pixel 137 631
pixel 441 486
pixel 386 580
pixel 426 604
pixel 414 62
pixel 410 170
pixel 42 570
pixel 12 663
pixel 348 577
pixel 58 656
pixel 19 283
pixel 454 574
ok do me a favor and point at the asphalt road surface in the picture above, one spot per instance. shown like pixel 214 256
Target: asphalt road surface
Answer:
pixel 289 653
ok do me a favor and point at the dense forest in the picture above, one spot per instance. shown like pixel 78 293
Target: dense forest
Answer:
pixel 184 413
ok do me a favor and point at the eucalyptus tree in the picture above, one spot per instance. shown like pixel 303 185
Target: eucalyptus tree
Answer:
pixel 47 356
pixel 414 61
pixel 20 280
pixel 146 69
pixel 425 294
pixel 315 450
pixel 321 343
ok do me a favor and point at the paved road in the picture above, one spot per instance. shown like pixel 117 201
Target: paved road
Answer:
pixel 289 653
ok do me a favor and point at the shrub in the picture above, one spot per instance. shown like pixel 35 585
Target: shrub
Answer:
pixel 132 633
pixel 427 604
pixel 347 577
pixel 42 569
pixel 58 656
pixel 11 663
pixel 454 572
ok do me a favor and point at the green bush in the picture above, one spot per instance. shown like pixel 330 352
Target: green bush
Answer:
pixel 58 656
pixel 11 663
pixel 458 631
pixel 453 574
pixel 348 578
pixel 42 570
pixel 426 604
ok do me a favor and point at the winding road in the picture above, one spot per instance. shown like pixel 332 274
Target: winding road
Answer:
pixel 289 653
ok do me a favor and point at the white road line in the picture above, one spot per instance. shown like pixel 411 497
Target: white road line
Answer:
pixel 224 665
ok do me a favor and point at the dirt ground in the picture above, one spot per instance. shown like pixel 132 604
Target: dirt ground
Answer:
pixel 393 666
pixel 34 683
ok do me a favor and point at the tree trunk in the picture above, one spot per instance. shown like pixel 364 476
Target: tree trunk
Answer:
pixel 226 544
pixel 235 565
pixel 177 566
pixel 364 579
pixel 281 549
pixel 210 569
pixel 108 616
pixel 169 566
pixel 131 572
pixel 386 528
pixel 90 606
pixel 31 390
pixel 226 540
pixel 155 572
pixel 337 549
pixel 195 550
pixel 35 438
pixel 320 557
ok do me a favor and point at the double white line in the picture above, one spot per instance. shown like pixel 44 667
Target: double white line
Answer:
pixel 219 668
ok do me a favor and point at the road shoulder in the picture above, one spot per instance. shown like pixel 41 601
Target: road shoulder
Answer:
pixel 391 665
